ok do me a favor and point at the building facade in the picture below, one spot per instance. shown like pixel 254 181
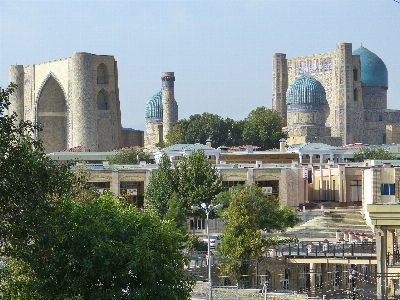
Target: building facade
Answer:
pixel 75 100
pixel 337 98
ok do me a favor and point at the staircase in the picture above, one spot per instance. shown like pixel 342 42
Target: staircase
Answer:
pixel 325 225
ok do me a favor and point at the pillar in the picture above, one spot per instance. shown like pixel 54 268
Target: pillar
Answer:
pixel 114 182
pixel 83 109
pixel 324 271
pixel 16 75
pixel 313 270
pixel 381 254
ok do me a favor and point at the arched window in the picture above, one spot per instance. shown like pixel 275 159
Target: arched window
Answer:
pixel 102 74
pixel 103 102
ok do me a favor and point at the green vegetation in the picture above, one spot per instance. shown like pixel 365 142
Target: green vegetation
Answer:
pixel 262 127
pixel 130 157
pixel 249 211
pixel 193 179
pixel 373 153
pixel 62 241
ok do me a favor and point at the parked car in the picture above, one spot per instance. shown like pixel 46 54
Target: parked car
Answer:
pixel 215 240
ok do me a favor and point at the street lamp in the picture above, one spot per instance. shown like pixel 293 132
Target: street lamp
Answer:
pixel 207 210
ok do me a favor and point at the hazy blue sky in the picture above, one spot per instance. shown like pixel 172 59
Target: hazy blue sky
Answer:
pixel 221 51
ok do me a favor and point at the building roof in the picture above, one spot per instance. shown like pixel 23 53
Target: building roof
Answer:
pixel 186 147
pixel 373 69
pixel 313 146
pixel 306 90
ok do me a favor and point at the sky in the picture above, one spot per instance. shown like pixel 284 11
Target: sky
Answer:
pixel 221 51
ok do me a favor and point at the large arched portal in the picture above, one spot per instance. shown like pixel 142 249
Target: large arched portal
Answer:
pixel 51 116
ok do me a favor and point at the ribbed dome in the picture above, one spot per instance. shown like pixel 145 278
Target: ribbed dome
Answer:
pixel 154 109
pixel 373 69
pixel 306 90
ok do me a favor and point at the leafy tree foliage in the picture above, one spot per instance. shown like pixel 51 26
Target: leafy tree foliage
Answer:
pixel 161 187
pixel 249 211
pixel 107 250
pixel 263 128
pixel 193 179
pixel 194 243
pixel 130 156
pixel 176 213
pixel 373 153
pixel 198 129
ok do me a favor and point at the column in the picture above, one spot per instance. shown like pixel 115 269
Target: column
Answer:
pixel 115 182
pixel 313 270
pixel 381 253
pixel 324 271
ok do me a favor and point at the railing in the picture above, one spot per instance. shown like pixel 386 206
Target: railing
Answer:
pixel 320 249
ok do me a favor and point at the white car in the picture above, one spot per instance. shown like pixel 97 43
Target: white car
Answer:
pixel 215 240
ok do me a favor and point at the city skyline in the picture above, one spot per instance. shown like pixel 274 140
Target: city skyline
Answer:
pixel 220 51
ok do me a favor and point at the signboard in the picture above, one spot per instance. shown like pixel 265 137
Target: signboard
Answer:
pixel 131 192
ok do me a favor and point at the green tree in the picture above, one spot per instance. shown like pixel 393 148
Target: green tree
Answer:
pixel 373 153
pixel 161 187
pixel 130 156
pixel 198 182
pixel 249 211
pixel 263 128
pixel 199 128
pixel 107 250
pixel 176 213
pixel 193 179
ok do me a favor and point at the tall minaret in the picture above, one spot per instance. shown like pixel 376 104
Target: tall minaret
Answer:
pixel 168 102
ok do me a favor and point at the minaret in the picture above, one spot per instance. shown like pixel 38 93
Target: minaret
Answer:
pixel 168 102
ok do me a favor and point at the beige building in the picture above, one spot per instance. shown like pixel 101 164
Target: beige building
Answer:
pixel 337 97
pixel 75 100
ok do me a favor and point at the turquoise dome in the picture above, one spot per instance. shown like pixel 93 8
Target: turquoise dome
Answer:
pixel 154 109
pixel 373 69
pixel 306 90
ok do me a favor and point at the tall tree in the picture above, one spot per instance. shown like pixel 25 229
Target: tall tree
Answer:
pixel 198 182
pixel 193 179
pixel 249 211
pixel 161 186
pixel 263 128
pixel 373 153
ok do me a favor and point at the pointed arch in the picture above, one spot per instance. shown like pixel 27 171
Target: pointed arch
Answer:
pixel 51 112
pixel 103 100
pixel 102 74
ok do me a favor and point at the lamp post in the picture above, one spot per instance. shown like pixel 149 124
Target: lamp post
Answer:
pixel 207 210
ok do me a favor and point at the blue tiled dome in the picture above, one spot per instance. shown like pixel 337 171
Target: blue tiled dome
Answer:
pixel 306 90
pixel 373 69
pixel 154 109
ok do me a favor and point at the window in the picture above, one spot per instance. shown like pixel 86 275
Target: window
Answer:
pixel 380 117
pixel 356 190
pixel 102 74
pixel 355 74
pixel 387 189
pixel 103 100
pixel 355 95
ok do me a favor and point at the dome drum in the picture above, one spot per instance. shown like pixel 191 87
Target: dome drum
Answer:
pixel 310 107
